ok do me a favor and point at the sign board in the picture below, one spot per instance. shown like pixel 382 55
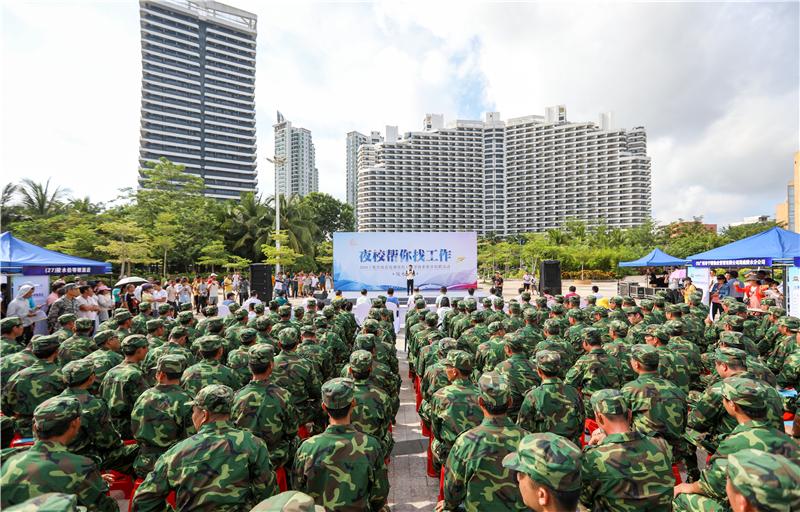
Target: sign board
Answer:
pixel 793 291
pixel 378 261
pixel 64 270
pixel 701 279
pixel 738 262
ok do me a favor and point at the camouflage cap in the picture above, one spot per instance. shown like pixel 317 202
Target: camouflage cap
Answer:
pixel 744 392
pixel 646 304
pixel 541 301
pixel 239 314
pixel 471 304
pixel 777 311
pixel 171 363
pixel 320 322
pixel 308 330
pixel 178 332
pixel 103 336
pixel 215 324
pixel 9 322
pixel 185 307
pixel 163 309
pixel 494 389
pixel 590 334
pixel 737 307
pixel 558 309
pixel 371 326
pixel 645 354
pixel 233 307
pixel 577 314
pixel 311 303
pixel 289 501
pixel 659 301
pixel 153 325
pixel 526 296
pixel 447 344
pixel 769 481
pixel 790 322
pixel 476 316
pixel 549 459
pixel 559 299
pixel 365 342
pixel 495 326
pixel 208 343
pixel 121 316
pixel 248 334
pixel 135 341
pixel 515 307
pixel 210 310
pixel 684 308
pixel 627 300
pixel 768 301
pixel 361 361
pixel 549 361
pixel 76 372
pixel 552 325
pixel 730 355
pixel 609 402
pixel 185 317
pixel 338 393
pixel 285 310
pixel 657 331
pixel 67 318
pixel 673 308
pixel 732 339
pixel 214 398
pixel 289 337
pixel 733 321
pixel 259 308
pixel 591 299
pixel 632 310
pixel 261 354
pixel 56 411
pixel 603 312
pixel 273 304
pixel 486 301
pixel 328 312
pixel 84 324
pixel 419 303
pixel 43 343
pixel 263 322
pixel 574 300
pixel 460 360
pixel 618 327
pixel 498 301
pixel 616 299
pixel 145 306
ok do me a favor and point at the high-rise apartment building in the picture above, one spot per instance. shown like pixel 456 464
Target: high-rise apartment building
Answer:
pixel 295 171
pixel 526 174
pixel 354 141
pixel 787 213
pixel 198 85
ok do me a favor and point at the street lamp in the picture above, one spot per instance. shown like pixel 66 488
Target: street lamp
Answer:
pixel 276 161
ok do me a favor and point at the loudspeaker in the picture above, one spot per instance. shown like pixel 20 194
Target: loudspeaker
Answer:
pixel 550 277
pixel 321 295
pixel 261 280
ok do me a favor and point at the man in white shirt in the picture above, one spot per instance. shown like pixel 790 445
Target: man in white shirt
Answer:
pixel 253 299
pixel 410 301
pixel 159 294
pixel 172 293
pixel 213 290
pixel 442 294
pixel 87 303
pixel 363 298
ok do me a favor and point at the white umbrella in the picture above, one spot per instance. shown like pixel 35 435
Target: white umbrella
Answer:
pixel 131 280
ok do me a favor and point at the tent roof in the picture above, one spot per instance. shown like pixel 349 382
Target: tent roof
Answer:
pixel 772 244
pixel 16 255
pixel 655 258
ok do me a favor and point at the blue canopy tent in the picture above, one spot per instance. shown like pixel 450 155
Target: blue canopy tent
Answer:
pixel 19 257
pixel 655 258
pixel 774 246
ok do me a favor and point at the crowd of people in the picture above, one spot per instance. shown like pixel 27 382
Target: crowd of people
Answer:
pixel 541 402
pixel 302 284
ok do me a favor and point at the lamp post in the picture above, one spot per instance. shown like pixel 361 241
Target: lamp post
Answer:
pixel 276 161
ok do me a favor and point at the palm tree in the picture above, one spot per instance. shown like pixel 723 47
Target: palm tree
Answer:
pixel 297 221
pixel 39 200
pixel 7 206
pixel 250 222
pixel 85 205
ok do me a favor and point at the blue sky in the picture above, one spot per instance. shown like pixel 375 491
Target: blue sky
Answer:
pixel 716 85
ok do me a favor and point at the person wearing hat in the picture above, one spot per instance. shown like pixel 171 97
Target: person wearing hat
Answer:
pixel 12 331
pixel 576 321
pixel 619 348
pixel 601 320
pixel 372 413
pixel 467 320
pixel 552 406
pixel 553 341
pixel 454 408
pixel 381 375
pixel 427 348
pixel 209 368
pixel 80 344
pixel 41 469
pixel 12 363
pixel 548 472
pixel 519 372
pixel 236 472
pixel 94 439
pixel 298 376
pixel 473 477
pixel 234 325
pixel 20 307
pixel 594 370
pixel 435 377
pixel 161 415
pixel 312 350
pixel 329 337
pixel 263 327
pixel 658 406
pixel 31 386
pixel 65 305
pixel 755 366
pixel 155 333
pixel 266 409
pixel 681 345
pixel 473 334
pixel 289 501
pixel 425 323
pixel 490 353
pixel 166 313
pixel 530 332
pixel 672 365
pixel 239 358
pixel 284 320
pixel 139 322
pixel 187 321
pixel 341 454
pixel 66 328
pixel 768 336
pixel 623 469
pixel 636 325
pixel 176 344
pixel 106 356
pixel 123 320
pixel 743 399
pixel 761 481
pixel 788 326
pixel 123 384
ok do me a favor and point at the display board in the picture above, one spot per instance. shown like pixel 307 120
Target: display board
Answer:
pixel 378 261
pixel 793 291
pixel 701 279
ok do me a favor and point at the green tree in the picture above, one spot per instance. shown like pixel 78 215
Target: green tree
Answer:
pixel 330 214
pixel 733 233
pixel 324 254
pixel 297 223
pixel 39 199
pixel 247 226
pixel 127 244
pixel 213 254
pixel 163 235
pixel 286 256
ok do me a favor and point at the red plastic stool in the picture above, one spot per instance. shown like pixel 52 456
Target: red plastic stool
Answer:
pixel 676 474
pixel 430 469
pixel 788 416
pixel 137 483
pixel 426 431
pixel 441 484
pixel 280 476
pixel 120 482
pixel 303 433
pixel 22 441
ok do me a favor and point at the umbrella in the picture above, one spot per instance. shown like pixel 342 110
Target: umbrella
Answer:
pixel 131 280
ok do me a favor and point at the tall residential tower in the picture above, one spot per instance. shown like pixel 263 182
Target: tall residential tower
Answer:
pixel 354 141
pixel 198 85
pixel 297 173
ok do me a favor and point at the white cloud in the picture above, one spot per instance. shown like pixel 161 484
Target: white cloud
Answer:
pixel 716 85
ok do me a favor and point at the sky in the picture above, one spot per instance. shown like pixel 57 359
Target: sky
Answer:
pixel 717 86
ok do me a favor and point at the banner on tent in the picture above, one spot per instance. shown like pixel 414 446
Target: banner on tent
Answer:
pixel 797 262
pixel 738 262
pixel 63 270
pixel 793 291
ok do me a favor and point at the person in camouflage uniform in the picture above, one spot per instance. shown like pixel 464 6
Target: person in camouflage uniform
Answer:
pixel 636 325
pixel 553 406
pixel 66 329
pixel 209 312
pixel 106 357
pixel 11 328
pixel 263 327
pixel 514 321
pixel 239 359
pixel 594 370
pixel 161 415
pixel 233 317
pixel 78 345
pixel 139 322
pixel 577 324
pixel 330 339
pixel 372 413
pixel 14 362
pixel 491 352
pixel 469 319
pixel 96 438
pixel 785 345
pixel 624 470
pixel 435 377
pixel 233 331
pixel 769 336
pixel 672 366
pixel 178 339
pixel 123 321
pixel 236 471
pixel 519 372
pixel 266 409
pixel 744 400
pixel 48 467
pixel 678 344
pixel 31 386
pixel 341 468
pixel 187 321
pixel 65 305
pixel 454 408
pixel 123 384
pixel 284 320
pixel 474 476
pixel 298 376
pixel 530 332
pixel 155 333
pixel 619 348
pixel 475 334
pixel 553 341
pixel 548 471
pixel 758 480
pixel 166 313
pixel 310 349
pixel 209 369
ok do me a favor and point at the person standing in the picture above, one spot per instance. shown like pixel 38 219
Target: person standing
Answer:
pixel 87 303
pixel 20 307
pixel 105 302
pixel 65 305
pixel 213 290
pixel 527 279
pixel 410 275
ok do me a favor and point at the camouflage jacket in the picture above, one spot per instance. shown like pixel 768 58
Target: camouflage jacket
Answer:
pixel 238 362
pixel 784 346
pixel 27 388
pixel 9 346
pixel 489 354
pixel 674 367
pixel 12 363
pixel 659 408
pixel 592 372
pixel 103 361
pixel 74 348
pixel 790 372
pixel 372 414
pixel 120 389
pixel 319 356
pixel 553 407
pixel 454 409
pixel 96 436
pixel 219 468
pixel 521 376
pixel 208 371
pixel 298 376
pixel 170 347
